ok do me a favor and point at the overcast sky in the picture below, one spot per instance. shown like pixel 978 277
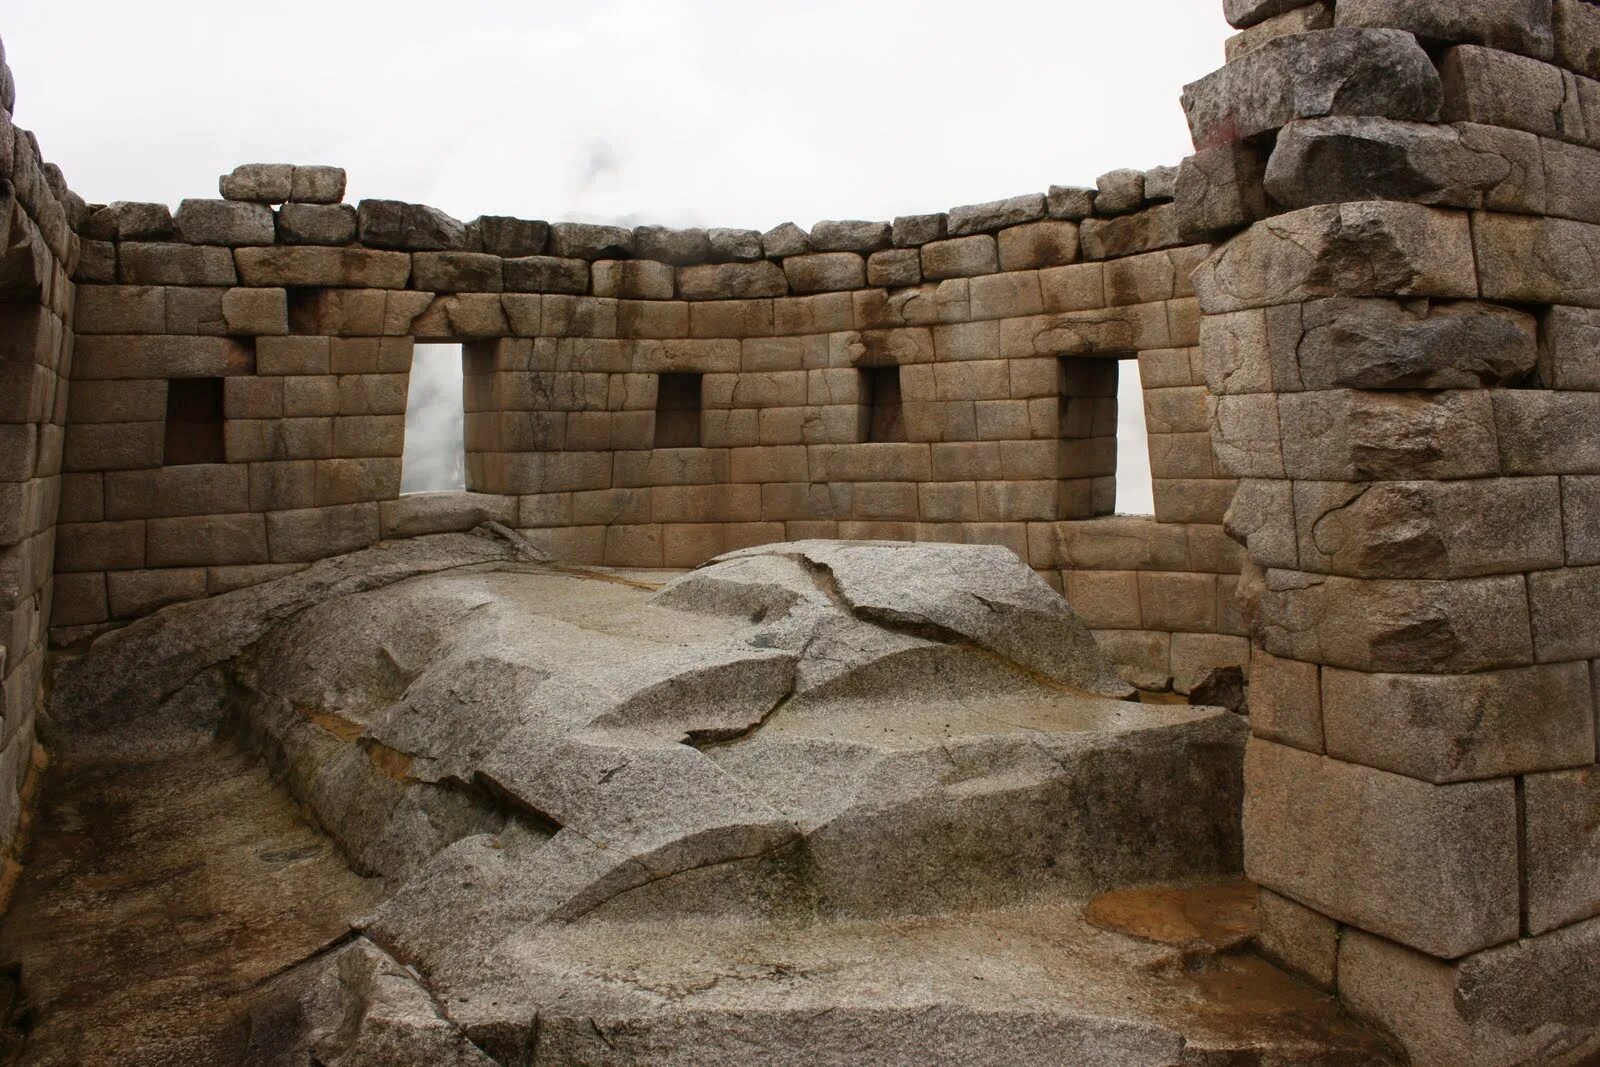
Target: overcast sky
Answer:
pixel 689 112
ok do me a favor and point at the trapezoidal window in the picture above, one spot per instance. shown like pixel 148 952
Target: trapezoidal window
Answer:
pixel 882 406
pixel 194 422
pixel 435 456
pixel 678 411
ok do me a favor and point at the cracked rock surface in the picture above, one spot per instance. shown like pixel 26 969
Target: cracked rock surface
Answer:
pixel 774 809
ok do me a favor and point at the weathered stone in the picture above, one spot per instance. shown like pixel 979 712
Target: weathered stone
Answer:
pixel 317 185
pixel 125 221
pixel 1297 938
pixel 960 257
pixel 1329 161
pixel 408 227
pixel 1530 1001
pixel 1312 16
pixel 995 215
pixel 1562 860
pixel 1537 260
pixel 1161 184
pixel 1495 88
pixel 732 281
pixel 825 271
pixel 582 240
pixel 1431 866
pixel 1564 603
pixel 666 245
pixel 1244 13
pixel 1456 728
pixel 633 279
pixel 223 222
pixel 785 240
pixel 849 236
pixel 1513 25
pixel 734 246
pixel 546 274
pixel 1220 190
pixel 1404 250
pixel 317 224
pixel 895 268
pixel 457 272
pixel 1126 235
pixel 1069 202
pixel 1311 75
pixel 1119 192
pixel 1577 36
pixel 318 266
pixel 1569 348
pixel 164 264
pixel 1394 626
pixel 913 231
pixel 511 237
pixel 1384 344
pixel 262 183
pixel 1047 243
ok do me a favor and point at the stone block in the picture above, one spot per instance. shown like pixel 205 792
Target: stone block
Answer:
pixel 317 185
pixel 1119 192
pixel 1430 866
pixel 678 247
pixel 1309 75
pixel 826 271
pixel 176 264
pixel 895 268
pixel 1242 14
pixel 1346 158
pixel 1564 606
pixel 1297 938
pixel 99 546
pixel 224 222
pixel 1429 529
pixel 582 240
pixel 637 279
pixel 1495 88
pixel 1544 432
pixel 1580 516
pixel 1126 235
pixel 1562 852
pixel 457 272
pixel 1577 36
pixel 133 594
pixel 1069 202
pixel 1178 602
pixel 405 227
pixel 500 235
pixel 962 257
pixel 1531 1001
pixel 190 489
pixel 1221 189
pixel 733 246
pixel 1452 728
pixel 546 274
pixel 850 236
pixel 316 533
pixel 262 183
pixel 130 221
pixel 114 446
pixel 1394 626
pixel 206 540
pixel 255 312
pixel 80 599
pixel 1407 250
pixel 1537 260
pixel 293 355
pixel 732 281
pixel 1313 16
pixel 1047 243
pixel 317 224
pixel 785 240
pixel 1522 26
pixel 914 231
pixel 355 268
pixel 1346 435
pixel 1286 701
pixel 126 309
pixel 995 215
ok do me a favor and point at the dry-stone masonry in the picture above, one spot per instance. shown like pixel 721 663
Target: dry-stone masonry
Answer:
pixel 1367 318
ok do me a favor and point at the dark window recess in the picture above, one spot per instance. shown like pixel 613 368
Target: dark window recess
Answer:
pixel 194 421
pixel 880 388
pixel 678 411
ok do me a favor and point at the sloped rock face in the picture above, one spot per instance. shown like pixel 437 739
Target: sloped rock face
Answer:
pixel 814 735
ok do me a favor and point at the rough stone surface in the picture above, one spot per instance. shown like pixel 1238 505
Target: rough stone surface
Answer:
pixel 223 222
pixel 1513 25
pixel 408 227
pixel 849 236
pixel 1311 75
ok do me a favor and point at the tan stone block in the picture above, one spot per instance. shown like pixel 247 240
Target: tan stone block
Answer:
pixel 884 501
pixel 121 309
pixel 256 312
pixel 308 396
pixel 1544 432
pixel 1080 287
pixel 139 263
pixel 635 279
pixel 965 461
pixel 1434 867
pixel 1286 701
pixel 118 401
pixel 731 319
pixel 1105 600
pixel 1048 243
pixel 651 319
pixel 961 257
pixel 689 545
pixel 132 594
pixel 256 440
pixel 354 268
pixel 870 462
pixel 771 464
pixel 206 540
pixel 539 510
pixel 293 355
pixel 283 486
pixel 633 546
pixel 317 533
pixel 1435 627
pixel 1196 654
pixel 1005 296
pixel 1562 860
pixel 353 481
pixel 1142 279
pixel 607 507
pixel 1029 460
pixel 967 341
pixel 1297 938
pixel 1141 649
pixel 371 394
pixel 577 544
pixel 119 356
pixel 250 398
pixel 1002 420
pixel 1178 602
pixel 192 312
pixel 947 501
pixel 193 489
pixel 112 446
pixel 672 466
pixel 367 436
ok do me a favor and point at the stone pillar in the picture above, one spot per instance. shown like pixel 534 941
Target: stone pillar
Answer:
pixel 1401 334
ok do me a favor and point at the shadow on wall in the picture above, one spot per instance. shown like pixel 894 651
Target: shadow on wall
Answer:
pixel 435 449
